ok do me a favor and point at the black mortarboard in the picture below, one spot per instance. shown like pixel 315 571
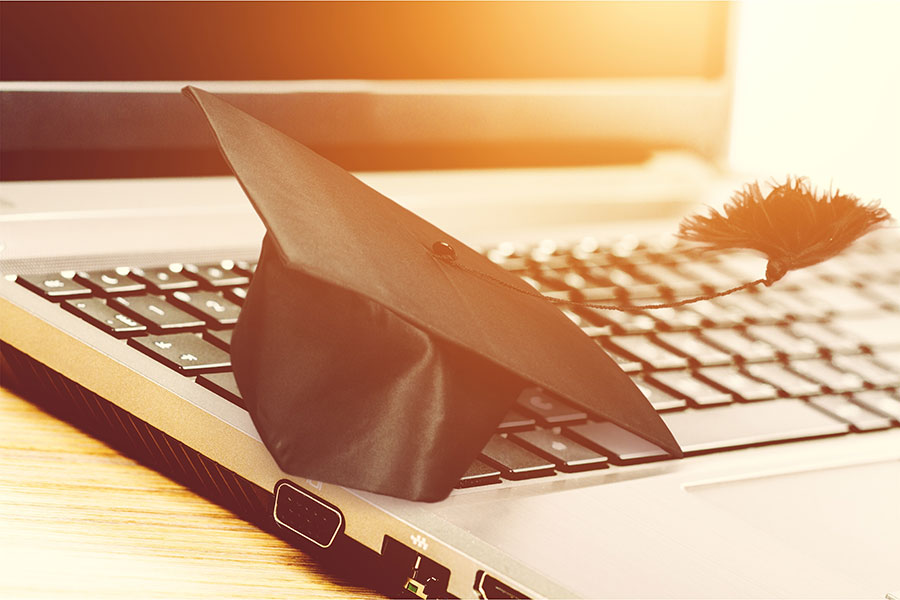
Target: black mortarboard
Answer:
pixel 368 358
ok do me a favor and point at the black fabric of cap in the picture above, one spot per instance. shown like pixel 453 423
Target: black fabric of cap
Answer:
pixel 366 358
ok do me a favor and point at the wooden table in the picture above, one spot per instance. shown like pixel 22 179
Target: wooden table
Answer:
pixel 78 519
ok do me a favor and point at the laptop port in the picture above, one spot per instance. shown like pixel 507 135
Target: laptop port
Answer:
pixel 415 573
pixel 489 588
pixel 306 514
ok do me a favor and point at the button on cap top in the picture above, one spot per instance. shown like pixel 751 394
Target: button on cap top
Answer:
pixel 444 250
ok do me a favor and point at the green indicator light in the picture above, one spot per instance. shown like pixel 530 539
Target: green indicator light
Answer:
pixel 412 587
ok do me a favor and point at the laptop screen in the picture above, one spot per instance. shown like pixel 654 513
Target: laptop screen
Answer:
pixel 365 83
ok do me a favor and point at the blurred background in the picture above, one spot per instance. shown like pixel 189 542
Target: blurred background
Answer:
pixel 817 84
pixel 817 92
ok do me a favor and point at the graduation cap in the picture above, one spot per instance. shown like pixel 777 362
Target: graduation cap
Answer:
pixel 370 351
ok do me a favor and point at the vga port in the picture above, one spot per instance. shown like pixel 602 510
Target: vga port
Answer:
pixel 306 514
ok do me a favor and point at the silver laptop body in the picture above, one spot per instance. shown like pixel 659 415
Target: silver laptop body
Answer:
pixel 815 518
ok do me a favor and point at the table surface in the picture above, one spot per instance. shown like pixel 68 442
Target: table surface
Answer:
pixel 78 519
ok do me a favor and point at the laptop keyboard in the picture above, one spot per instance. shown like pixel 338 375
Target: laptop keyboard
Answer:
pixel 816 355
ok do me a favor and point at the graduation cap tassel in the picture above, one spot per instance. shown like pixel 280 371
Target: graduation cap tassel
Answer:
pixel 793 226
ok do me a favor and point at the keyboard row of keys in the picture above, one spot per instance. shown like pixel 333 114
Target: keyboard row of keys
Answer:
pixel 714 347
pixel 159 314
pixel 124 281
pixel 111 282
pixel 717 313
pixel 182 311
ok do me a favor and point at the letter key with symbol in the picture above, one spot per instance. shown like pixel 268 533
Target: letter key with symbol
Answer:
pixel 184 352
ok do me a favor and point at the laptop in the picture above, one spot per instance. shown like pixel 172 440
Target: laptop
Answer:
pixel 563 140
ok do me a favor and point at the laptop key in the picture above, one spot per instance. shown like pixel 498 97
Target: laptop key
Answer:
pixel 107 318
pixel 246 266
pixel 837 380
pixel 627 365
pixel 795 305
pixel 880 401
pixel 162 316
pixel 621 322
pixel 622 447
pixel 477 474
pixel 782 378
pixel 718 315
pixel 889 359
pixel 826 338
pixel 844 299
pixel 164 279
pixel 867 368
pixel 753 310
pixel 222 274
pixel 665 275
pixel 646 351
pixel 592 331
pixel 236 294
pixel 648 293
pixel 694 348
pixel 858 417
pixel 880 330
pixel 740 425
pixel 53 286
pixel 744 387
pixel 514 461
pixel 709 274
pixel 513 420
pixel 184 352
pixel 217 310
pixel 784 341
pixel 679 318
pixel 549 410
pixel 219 337
pixel 111 282
pixel 739 345
pixel 792 304
pixel 658 398
pixel 610 294
pixel 550 280
pixel 887 293
pixel 684 290
pixel 224 385
pixel 685 385
pixel 567 455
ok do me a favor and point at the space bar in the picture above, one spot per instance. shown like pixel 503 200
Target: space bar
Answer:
pixel 739 425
